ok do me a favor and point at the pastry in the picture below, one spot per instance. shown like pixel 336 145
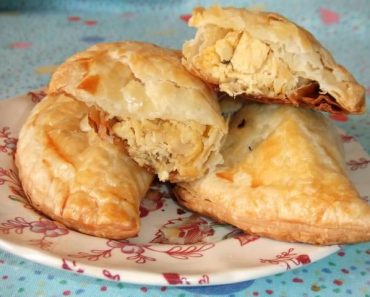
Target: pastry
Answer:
pixel 284 178
pixel 168 119
pixel 264 57
pixel 73 176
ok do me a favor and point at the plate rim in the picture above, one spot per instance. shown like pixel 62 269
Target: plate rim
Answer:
pixel 152 278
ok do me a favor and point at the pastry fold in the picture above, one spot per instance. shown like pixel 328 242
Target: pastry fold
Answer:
pixel 73 176
pixel 265 57
pixel 168 119
pixel 283 178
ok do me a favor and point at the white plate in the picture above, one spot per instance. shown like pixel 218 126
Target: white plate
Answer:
pixel 174 247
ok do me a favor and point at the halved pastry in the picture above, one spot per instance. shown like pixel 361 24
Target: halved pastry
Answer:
pixel 265 57
pixel 169 119
pixel 283 178
pixel 70 174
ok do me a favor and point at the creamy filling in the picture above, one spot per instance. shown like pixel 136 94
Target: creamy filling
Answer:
pixel 174 150
pixel 171 148
pixel 240 64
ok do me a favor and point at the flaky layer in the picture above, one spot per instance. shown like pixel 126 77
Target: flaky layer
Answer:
pixel 73 176
pixel 265 57
pixel 136 84
pixel 284 178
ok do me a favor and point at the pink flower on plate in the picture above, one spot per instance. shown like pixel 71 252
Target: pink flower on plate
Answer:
pixel 303 259
pixel 151 202
pixel 49 228
pixel 188 230
pixel 126 247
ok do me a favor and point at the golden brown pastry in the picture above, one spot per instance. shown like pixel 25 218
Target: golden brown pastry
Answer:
pixel 70 174
pixel 169 119
pixel 283 178
pixel 265 57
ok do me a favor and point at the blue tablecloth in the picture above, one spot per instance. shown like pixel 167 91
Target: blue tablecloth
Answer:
pixel 35 36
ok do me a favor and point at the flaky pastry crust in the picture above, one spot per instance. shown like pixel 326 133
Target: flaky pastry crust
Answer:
pixel 283 178
pixel 265 57
pixel 169 119
pixel 71 175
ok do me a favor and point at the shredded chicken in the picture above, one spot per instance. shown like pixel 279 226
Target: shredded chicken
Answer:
pixel 168 148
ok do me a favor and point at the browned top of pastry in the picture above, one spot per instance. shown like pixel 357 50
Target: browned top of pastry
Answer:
pixel 137 80
pixel 169 118
pixel 73 176
pixel 284 178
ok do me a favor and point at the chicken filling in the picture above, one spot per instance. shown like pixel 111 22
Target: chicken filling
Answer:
pixel 240 64
pixel 174 150
pixel 170 148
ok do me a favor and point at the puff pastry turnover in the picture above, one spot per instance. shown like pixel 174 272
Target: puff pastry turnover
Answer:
pixel 169 119
pixel 283 178
pixel 265 57
pixel 75 177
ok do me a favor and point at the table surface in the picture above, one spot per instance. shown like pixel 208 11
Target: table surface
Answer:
pixel 36 36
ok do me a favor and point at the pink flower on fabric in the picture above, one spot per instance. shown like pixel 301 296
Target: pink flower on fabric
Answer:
pixel 329 17
pixel 20 44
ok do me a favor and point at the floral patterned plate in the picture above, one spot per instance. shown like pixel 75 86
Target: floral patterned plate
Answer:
pixel 174 247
